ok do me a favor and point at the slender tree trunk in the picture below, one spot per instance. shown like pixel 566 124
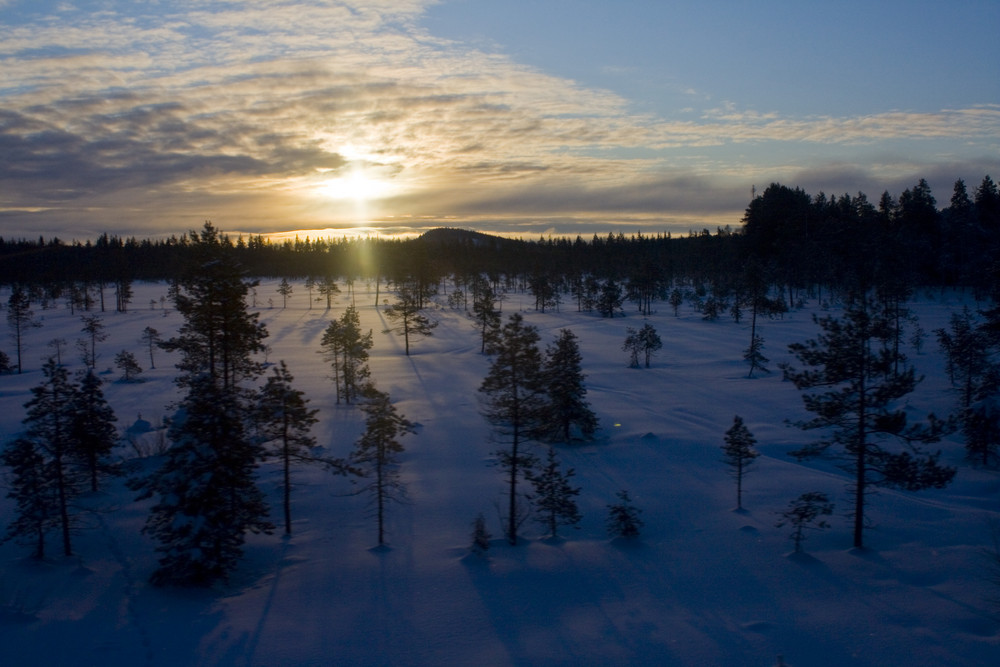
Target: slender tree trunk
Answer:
pixel 63 504
pixel 859 492
pixel 739 485
pixel 287 455
pixel 512 519
pixel 406 332
pixel 380 499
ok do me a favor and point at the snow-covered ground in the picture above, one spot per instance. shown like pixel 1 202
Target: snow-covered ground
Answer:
pixel 704 585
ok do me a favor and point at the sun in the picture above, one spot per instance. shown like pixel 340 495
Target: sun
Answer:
pixel 357 185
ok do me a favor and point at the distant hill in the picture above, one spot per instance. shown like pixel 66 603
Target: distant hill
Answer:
pixel 454 236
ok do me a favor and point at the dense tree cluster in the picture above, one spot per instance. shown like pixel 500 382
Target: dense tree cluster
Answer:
pixel 795 241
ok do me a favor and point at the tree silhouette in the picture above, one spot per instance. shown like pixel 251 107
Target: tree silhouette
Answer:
pixel 20 318
pixel 553 498
pixel 566 405
pixel 858 382
pixel 802 514
pixel 513 394
pixel 739 454
pixel 376 453
pixel 284 421
pixel 405 312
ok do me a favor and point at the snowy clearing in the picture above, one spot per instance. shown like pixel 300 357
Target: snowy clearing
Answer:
pixel 703 585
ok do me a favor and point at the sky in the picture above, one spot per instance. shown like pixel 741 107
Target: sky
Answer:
pixel 551 117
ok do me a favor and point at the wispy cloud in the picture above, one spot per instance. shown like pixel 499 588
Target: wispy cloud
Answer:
pixel 232 109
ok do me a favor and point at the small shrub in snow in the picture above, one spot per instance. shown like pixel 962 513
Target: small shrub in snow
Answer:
pixel 802 514
pixel 623 517
pixel 480 536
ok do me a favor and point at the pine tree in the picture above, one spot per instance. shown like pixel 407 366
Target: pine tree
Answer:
pixel 151 338
pixel 859 381
pixel 31 488
pixel 49 428
pixel 93 429
pixel 566 404
pixel 284 420
pixel 485 312
pixel 609 301
pixel 327 287
pixel 410 322
pixel 676 299
pixel 645 341
pixel 285 290
pixel 346 348
pixel 20 318
pixel 376 453
pixel 128 365
pixel 553 498
pixel 206 488
pixel 310 286
pixel 623 517
pixel 754 356
pixel 739 454
pixel 975 377
pixel 802 514
pixel 94 328
pixel 219 336
pixel 632 346
pixel 513 393
pixel 123 294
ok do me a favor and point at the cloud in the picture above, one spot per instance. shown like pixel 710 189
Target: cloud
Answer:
pixel 194 110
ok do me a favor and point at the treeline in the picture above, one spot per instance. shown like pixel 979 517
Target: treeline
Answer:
pixel 789 239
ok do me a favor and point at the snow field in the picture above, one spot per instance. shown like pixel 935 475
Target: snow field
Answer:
pixel 703 585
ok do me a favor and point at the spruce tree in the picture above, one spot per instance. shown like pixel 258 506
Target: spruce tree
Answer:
pixel 376 453
pixel 739 454
pixel 859 382
pixel 553 498
pixel 566 405
pixel 284 421
pixel 513 394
